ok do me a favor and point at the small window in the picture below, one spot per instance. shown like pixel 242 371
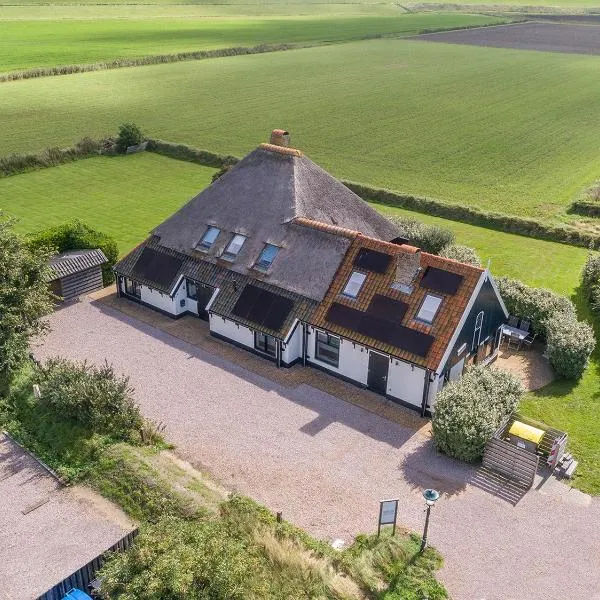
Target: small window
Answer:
pixel 267 256
pixel 429 308
pixel 265 343
pixel 209 238
pixel 132 288
pixel 327 348
pixel 192 290
pixel 234 246
pixel 354 284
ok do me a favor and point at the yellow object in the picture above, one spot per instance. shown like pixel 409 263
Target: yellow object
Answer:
pixel 526 432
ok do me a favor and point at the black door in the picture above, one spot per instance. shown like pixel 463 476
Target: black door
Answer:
pixel 378 372
pixel 203 294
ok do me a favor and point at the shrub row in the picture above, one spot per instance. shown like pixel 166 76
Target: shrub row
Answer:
pixel 469 411
pixel 553 318
pixel 590 281
pixel 51 157
pixel 507 223
pixel 585 208
pixel 145 60
pixel 430 238
pixel 187 153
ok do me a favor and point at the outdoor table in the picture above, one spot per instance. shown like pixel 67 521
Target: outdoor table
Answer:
pixel 514 333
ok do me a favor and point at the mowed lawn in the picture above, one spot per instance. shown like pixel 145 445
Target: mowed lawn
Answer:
pixel 40 43
pixel 125 197
pixel 503 130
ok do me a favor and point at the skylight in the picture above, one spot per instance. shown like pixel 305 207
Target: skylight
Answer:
pixel 267 256
pixel 209 238
pixel 429 308
pixel 354 284
pixel 234 246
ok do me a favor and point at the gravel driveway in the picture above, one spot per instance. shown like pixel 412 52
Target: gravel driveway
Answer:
pixel 326 463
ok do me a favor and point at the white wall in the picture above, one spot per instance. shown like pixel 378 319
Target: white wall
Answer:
pixel 293 348
pixel 354 359
pixel 230 330
pixel 163 301
pixel 406 383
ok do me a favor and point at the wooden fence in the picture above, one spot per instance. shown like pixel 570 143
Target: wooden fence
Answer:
pixel 515 463
pixel 82 578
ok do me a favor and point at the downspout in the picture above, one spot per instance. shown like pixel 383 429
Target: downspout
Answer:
pixel 278 353
pixel 304 343
pixel 425 392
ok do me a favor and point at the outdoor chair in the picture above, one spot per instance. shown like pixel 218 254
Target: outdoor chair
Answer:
pixel 525 324
pixel 528 341
pixel 513 321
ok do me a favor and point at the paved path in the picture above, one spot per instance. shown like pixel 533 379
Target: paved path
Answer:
pixel 326 463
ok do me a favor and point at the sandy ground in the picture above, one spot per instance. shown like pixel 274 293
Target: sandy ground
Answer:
pixel 326 463
pixel 47 531
pixel 544 37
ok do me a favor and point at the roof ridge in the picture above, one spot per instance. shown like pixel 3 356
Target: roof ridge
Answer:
pixel 334 229
pixel 281 149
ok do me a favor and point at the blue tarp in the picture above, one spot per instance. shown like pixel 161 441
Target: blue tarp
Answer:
pixel 76 594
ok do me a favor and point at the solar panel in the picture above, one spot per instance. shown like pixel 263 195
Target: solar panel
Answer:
pixel 412 340
pixel 371 260
pixel 387 308
pixel 262 307
pixel 245 302
pixel 344 316
pixel 441 281
pixel 157 267
pixel 374 327
pixel 279 313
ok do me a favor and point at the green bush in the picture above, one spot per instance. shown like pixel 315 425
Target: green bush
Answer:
pixel 462 254
pixel 76 235
pixel 430 238
pixel 187 153
pixel 95 397
pixel 590 281
pixel 554 318
pixel 468 411
pixel 129 135
pixel 570 343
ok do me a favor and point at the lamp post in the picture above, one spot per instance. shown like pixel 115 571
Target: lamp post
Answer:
pixel 430 499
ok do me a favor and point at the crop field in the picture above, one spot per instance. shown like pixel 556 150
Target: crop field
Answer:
pixel 544 37
pixel 505 130
pixel 26 43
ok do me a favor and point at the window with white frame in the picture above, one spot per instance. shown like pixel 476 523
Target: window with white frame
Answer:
pixel 429 308
pixel 477 332
pixel 354 284
pixel 327 348
pixel 266 258
pixel 208 239
pixel 234 246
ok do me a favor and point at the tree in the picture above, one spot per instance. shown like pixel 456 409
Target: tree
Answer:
pixel 24 297
pixel 430 238
pixel 462 254
pixel 129 135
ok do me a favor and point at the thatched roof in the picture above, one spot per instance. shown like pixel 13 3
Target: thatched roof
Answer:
pixel 259 198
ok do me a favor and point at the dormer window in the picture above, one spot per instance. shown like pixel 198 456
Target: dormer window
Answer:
pixel 208 239
pixel 266 258
pixel 354 284
pixel 429 308
pixel 234 247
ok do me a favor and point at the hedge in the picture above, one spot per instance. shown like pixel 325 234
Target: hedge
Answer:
pixel 469 411
pixel 51 157
pixel 585 208
pixel 430 238
pixel 145 60
pixel 563 234
pixel 590 282
pixel 75 235
pixel 554 319
pixel 462 254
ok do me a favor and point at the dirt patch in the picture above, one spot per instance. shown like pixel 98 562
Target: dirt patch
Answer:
pixel 544 37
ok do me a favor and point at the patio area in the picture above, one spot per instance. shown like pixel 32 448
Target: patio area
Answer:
pixel 529 365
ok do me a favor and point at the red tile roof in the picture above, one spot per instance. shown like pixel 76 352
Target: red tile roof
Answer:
pixel 446 320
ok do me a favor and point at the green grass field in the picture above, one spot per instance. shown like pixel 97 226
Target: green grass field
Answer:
pixel 122 196
pixel 39 43
pixel 454 122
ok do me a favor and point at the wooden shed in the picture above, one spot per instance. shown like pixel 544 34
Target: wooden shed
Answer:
pixel 77 273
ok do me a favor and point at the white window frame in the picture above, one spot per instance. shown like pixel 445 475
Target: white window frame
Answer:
pixel 356 280
pixel 227 253
pixel 327 342
pixel 203 244
pixel 477 330
pixel 424 318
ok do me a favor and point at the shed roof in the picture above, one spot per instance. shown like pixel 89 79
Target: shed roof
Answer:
pixel 76 261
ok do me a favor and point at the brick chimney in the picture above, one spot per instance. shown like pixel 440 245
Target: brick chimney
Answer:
pixel 280 137
pixel 407 266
